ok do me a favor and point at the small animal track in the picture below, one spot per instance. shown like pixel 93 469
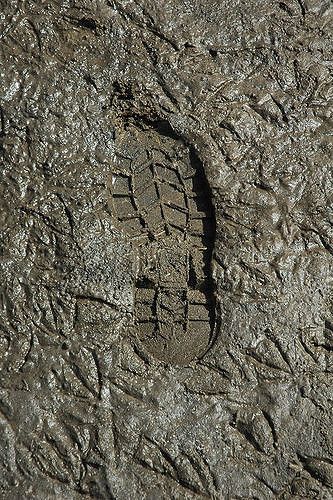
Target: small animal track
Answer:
pixel 162 201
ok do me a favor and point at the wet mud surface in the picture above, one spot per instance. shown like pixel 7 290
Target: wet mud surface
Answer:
pixel 166 323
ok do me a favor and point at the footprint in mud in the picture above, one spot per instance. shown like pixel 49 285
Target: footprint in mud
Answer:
pixel 162 201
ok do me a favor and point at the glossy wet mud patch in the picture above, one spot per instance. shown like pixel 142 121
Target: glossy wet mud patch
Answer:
pixel 161 200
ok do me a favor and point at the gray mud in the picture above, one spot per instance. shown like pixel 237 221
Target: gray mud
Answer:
pixel 166 318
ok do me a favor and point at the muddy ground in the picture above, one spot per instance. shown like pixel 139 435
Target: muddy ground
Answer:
pixel 166 249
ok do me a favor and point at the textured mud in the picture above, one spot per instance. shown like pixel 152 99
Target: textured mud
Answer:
pixel 166 319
